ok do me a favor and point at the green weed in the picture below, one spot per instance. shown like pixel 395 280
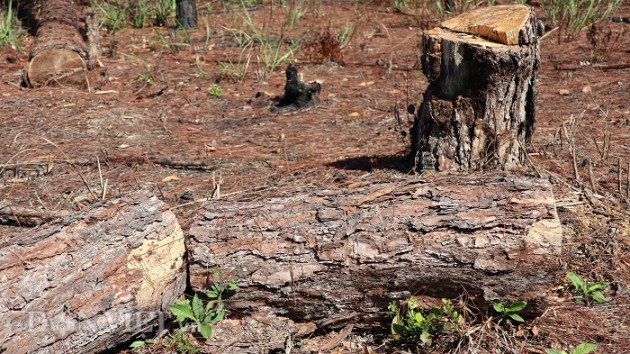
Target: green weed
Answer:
pixel 508 313
pixel 586 292
pixel 148 75
pixel 410 325
pixel 10 33
pixel 113 14
pixel 215 91
pixel 583 348
pixel 573 16
pixel 140 13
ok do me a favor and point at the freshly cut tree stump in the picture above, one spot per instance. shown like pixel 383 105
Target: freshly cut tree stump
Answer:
pixel 59 54
pixel 479 109
pixel 337 255
pixel 92 280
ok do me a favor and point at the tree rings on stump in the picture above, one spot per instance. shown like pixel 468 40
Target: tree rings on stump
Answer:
pixel 59 54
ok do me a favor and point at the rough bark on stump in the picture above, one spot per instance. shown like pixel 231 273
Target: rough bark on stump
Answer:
pixel 91 280
pixel 59 54
pixel 338 255
pixel 186 13
pixel 479 109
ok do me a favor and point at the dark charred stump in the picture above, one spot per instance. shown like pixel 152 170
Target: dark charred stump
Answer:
pixel 298 94
pixel 186 13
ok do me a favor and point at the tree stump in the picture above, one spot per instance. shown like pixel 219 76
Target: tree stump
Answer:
pixel 342 255
pixel 92 280
pixel 479 109
pixel 59 54
pixel 186 13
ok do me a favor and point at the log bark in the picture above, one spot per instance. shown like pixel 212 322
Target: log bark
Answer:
pixel 341 255
pixel 186 13
pixel 59 54
pixel 91 280
pixel 479 109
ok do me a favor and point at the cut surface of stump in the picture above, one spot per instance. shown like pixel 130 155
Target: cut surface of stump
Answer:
pixel 59 54
pixel 479 109
pixel 92 280
pixel 340 255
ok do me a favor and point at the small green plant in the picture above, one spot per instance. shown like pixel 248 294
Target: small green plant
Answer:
pixel 139 13
pixel 586 292
pixel 180 342
pixel 572 16
pixel 203 316
pixel 163 10
pixel 508 313
pixel 9 32
pixel 270 54
pixel 583 348
pixel 148 75
pixel 410 325
pixel 215 91
pixel 141 343
pixel 113 14
pixel 294 12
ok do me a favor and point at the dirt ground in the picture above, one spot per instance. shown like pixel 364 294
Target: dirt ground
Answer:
pixel 155 124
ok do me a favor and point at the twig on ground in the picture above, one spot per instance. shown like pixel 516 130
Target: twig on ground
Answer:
pixel 73 167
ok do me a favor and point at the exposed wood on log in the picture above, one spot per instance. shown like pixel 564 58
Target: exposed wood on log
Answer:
pixel 59 54
pixel 479 109
pixel 92 280
pixel 341 255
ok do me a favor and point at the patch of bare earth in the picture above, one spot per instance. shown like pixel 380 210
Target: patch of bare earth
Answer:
pixel 175 139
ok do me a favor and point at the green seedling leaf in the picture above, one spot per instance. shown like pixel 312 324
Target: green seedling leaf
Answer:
pixel 198 309
pixel 182 311
pixel 137 344
pixel 577 281
pixel 205 330
pixel 419 318
pixel 598 296
pixel 232 286
pixel 516 306
pixel 516 317
pixel 498 307
pixel 584 348
pixel 597 286
pixel 425 337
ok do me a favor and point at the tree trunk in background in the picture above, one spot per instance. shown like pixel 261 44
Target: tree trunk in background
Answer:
pixel 186 13
pixel 92 280
pixel 59 54
pixel 479 109
pixel 342 255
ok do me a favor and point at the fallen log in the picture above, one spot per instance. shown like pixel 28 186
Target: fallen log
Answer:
pixel 339 255
pixel 479 110
pixel 59 54
pixel 92 280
